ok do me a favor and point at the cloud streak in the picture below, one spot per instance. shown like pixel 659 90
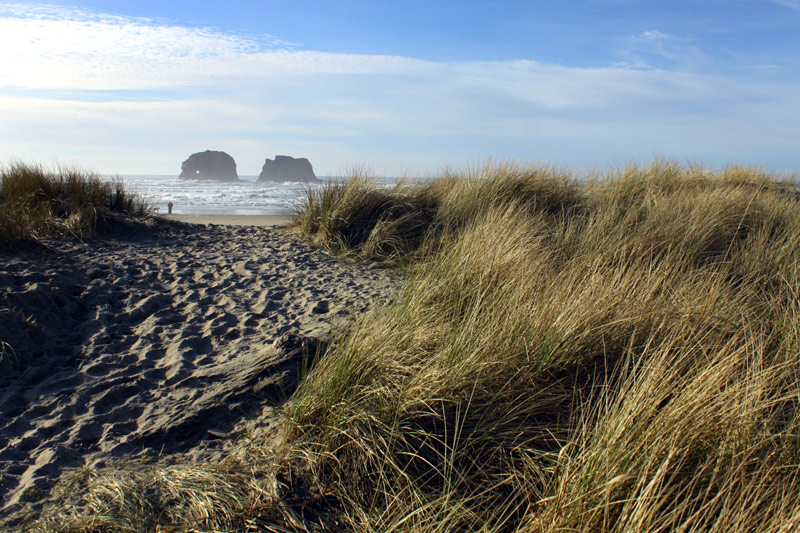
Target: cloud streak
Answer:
pixel 57 48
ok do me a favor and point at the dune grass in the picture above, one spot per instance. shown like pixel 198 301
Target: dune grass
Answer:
pixel 35 203
pixel 616 355
pixel 362 219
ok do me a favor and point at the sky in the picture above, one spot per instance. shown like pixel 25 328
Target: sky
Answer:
pixel 401 87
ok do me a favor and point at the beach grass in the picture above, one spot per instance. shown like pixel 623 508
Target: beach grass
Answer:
pixel 362 219
pixel 613 356
pixel 37 203
pixel 619 354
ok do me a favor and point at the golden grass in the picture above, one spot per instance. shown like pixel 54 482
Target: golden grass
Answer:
pixel 35 203
pixel 618 355
pixel 615 356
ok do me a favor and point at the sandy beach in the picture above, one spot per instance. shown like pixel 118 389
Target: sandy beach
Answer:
pixel 232 220
pixel 157 342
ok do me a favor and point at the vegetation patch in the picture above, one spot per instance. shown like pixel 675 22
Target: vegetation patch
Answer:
pixel 35 203
pixel 616 355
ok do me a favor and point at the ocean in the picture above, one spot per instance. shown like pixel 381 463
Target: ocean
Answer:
pixel 245 197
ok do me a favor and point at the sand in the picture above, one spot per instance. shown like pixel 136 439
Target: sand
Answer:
pixel 232 220
pixel 152 343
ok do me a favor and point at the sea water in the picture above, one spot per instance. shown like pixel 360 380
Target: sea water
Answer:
pixel 190 197
pixel 243 197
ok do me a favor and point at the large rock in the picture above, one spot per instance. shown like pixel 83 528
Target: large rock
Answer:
pixel 286 168
pixel 209 165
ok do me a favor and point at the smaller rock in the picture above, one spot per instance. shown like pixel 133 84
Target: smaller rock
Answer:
pixel 287 168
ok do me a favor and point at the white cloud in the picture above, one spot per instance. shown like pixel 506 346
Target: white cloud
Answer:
pixel 78 50
pixel 794 4
pixel 655 46
pixel 655 35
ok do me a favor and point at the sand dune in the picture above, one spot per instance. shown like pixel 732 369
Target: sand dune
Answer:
pixel 157 343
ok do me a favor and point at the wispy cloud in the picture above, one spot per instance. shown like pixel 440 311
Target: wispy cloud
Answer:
pixel 651 48
pixel 83 51
pixel 70 48
pixel 794 4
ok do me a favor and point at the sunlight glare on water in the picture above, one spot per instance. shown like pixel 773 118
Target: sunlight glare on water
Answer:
pixel 245 197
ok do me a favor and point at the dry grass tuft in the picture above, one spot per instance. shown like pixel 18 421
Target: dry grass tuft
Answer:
pixel 363 219
pixel 239 493
pixel 35 203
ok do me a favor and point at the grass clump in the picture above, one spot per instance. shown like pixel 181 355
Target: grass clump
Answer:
pixel 35 203
pixel 228 496
pixel 361 218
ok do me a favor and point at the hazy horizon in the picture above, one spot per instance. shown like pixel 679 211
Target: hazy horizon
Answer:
pixel 411 89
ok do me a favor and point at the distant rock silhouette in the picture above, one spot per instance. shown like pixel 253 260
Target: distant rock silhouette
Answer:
pixel 286 168
pixel 209 165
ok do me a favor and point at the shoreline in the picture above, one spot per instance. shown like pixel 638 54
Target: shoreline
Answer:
pixel 231 220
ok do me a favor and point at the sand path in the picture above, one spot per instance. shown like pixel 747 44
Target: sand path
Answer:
pixel 155 343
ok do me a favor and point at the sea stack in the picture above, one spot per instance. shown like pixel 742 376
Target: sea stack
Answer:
pixel 209 165
pixel 286 168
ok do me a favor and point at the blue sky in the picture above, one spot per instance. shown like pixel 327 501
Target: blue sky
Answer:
pixel 400 87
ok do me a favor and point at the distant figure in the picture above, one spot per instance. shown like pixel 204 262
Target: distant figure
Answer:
pixel 169 208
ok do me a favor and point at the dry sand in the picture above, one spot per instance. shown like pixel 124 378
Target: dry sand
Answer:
pixel 157 342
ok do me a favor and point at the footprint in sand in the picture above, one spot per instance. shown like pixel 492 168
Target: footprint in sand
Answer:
pixel 320 308
pixel 174 335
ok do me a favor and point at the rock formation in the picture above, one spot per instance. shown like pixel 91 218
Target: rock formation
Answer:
pixel 209 165
pixel 286 168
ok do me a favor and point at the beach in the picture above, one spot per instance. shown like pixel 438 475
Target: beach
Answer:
pixel 232 220
pixel 159 341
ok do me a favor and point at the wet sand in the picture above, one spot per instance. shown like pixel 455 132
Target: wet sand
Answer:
pixel 233 220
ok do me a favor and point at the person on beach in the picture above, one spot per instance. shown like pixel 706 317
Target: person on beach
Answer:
pixel 169 208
